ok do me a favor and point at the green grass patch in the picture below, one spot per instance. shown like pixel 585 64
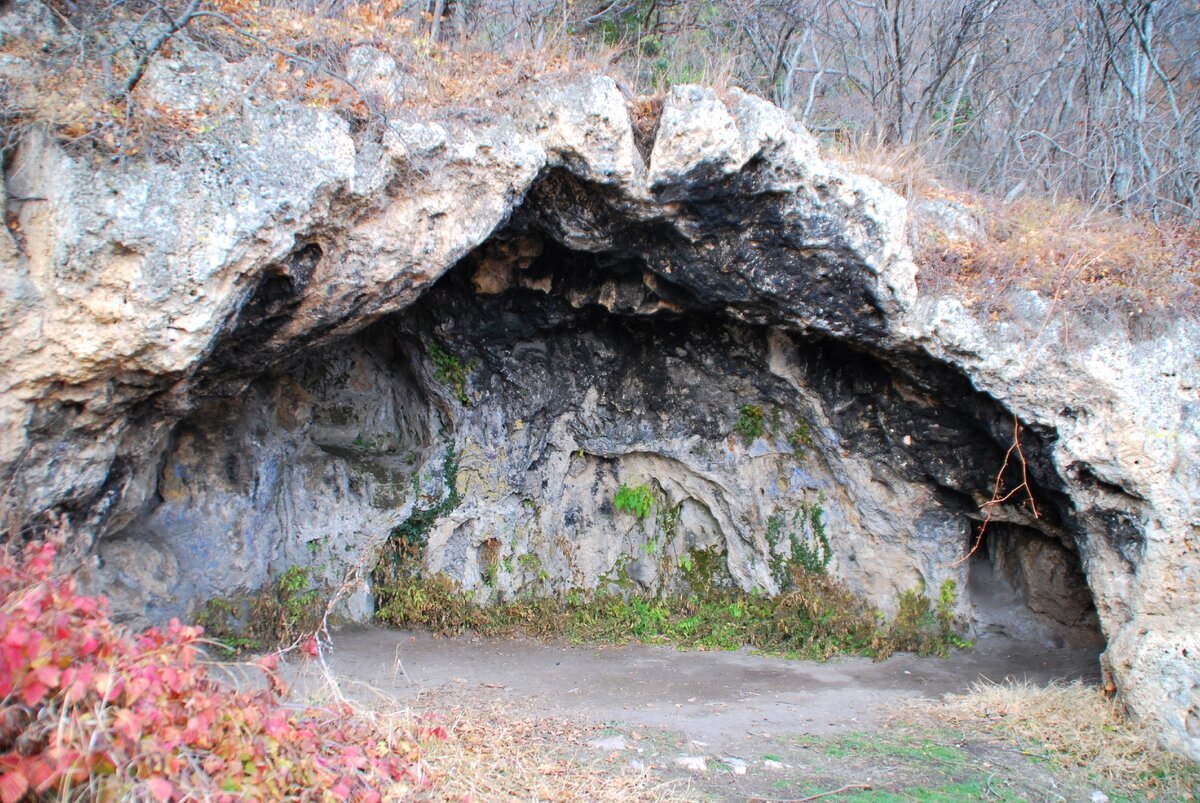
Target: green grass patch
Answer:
pixel 974 789
pixel 929 765
pixel 921 750
pixel 818 618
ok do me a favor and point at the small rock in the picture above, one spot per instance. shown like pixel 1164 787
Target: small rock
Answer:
pixel 609 744
pixel 736 765
pixel 772 764
pixel 692 763
pixel 946 221
pixel 1099 797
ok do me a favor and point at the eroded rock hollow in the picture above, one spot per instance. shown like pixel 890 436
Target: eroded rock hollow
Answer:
pixel 217 375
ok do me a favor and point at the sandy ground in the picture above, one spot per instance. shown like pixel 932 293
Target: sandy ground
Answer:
pixel 720 700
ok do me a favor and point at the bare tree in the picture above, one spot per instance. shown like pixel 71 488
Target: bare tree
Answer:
pixel 1093 99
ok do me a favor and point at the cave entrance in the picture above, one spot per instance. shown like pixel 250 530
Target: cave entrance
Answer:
pixel 499 416
pixel 1027 586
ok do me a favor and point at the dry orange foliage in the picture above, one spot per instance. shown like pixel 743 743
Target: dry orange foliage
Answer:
pixel 72 93
pixel 1125 266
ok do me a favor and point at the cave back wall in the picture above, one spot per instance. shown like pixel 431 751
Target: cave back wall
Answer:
pixel 551 388
pixel 260 358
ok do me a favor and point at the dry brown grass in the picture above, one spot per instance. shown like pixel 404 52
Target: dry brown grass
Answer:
pixel 501 753
pixel 1123 267
pixel 1128 268
pixel 902 169
pixel 67 83
pixel 1075 728
pixel 437 74
pixel 491 751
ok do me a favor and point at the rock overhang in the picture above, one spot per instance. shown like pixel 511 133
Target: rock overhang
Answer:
pixel 734 207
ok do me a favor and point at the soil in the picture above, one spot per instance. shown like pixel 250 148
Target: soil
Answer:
pixel 766 728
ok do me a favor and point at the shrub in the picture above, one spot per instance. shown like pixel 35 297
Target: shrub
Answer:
pixel 278 615
pixel 90 710
pixel 450 370
pixel 818 618
pixel 750 423
pixel 808 545
pixel 404 549
pixel 801 439
pixel 637 500
pixel 922 626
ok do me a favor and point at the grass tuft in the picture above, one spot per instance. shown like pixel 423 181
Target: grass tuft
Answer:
pixel 818 617
pixel 1125 268
pixel 1076 728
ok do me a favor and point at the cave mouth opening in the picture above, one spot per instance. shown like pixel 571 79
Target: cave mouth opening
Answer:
pixel 545 327
pixel 1027 586
pixel 557 374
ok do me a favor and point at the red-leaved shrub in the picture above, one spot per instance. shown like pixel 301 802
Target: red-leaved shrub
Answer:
pixel 91 710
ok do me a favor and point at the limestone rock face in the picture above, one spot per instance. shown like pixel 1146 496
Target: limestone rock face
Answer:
pixel 261 355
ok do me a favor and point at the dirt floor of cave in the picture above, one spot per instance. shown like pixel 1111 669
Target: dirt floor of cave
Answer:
pixel 767 728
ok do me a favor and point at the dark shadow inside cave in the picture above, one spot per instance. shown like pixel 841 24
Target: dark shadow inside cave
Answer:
pixel 305 466
pixel 1029 587
pixel 533 317
pixel 556 373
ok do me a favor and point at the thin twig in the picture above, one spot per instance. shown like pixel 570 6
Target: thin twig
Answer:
pixel 850 787
pixel 998 497
pixel 175 25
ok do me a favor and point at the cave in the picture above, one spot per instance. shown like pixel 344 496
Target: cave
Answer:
pixel 1029 587
pixel 553 374
pixel 229 366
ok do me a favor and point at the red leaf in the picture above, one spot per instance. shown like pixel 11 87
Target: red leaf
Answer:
pixel 78 681
pixel 41 774
pixel 85 605
pixel 128 724
pixel 353 758
pixel 13 786
pixel 277 726
pixel 161 789
pixel 33 693
pixel 171 678
pixel 48 675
